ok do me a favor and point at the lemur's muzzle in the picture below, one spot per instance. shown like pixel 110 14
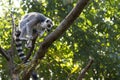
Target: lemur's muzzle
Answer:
pixel 49 26
pixel 48 30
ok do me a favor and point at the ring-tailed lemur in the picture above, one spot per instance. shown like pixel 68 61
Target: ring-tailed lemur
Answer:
pixel 32 21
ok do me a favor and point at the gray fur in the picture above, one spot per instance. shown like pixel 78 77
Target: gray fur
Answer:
pixel 36 21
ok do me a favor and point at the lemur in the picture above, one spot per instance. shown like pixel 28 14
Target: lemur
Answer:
pixel 32 21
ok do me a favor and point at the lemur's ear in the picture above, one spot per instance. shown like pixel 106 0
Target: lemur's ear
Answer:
pixel 47 20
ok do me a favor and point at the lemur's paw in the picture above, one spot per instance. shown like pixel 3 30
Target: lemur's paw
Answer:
pixel 23 39
pixel 30 37
pixel 28 44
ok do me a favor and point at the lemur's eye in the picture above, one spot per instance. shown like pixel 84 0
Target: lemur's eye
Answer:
pixel 47 21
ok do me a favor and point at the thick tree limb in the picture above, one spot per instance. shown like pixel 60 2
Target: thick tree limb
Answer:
pixel 64 25
pixel 82 74
pixel 4 53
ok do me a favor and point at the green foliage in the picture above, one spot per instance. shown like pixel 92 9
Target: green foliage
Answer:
pixel 96 33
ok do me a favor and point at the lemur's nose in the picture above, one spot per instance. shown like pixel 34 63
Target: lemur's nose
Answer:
pixel 48 25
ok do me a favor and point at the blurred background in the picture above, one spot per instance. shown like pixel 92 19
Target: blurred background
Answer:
pixel 95 33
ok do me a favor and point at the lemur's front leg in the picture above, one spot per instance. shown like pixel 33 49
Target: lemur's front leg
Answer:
pixel 40 32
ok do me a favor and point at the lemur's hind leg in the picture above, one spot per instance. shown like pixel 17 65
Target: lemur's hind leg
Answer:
pixel 29 31
pixel 29 27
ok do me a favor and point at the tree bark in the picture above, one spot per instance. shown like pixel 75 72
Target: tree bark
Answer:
pixel 64 25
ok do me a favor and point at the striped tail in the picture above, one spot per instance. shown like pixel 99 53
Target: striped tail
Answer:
pixel 21 54
pixel 19 48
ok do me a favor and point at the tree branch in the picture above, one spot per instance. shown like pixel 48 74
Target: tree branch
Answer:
pixel 13 31
pixel 11 52
pixel 4 53
pixel 82 74
pixel 64 25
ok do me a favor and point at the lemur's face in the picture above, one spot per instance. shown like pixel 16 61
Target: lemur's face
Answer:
pixel 47 24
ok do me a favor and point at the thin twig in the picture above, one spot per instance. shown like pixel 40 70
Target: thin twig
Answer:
pixel 4 53
pixel 13 30
pixel 84 70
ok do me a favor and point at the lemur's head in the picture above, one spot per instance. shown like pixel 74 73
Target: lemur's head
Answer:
pixel 47 24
